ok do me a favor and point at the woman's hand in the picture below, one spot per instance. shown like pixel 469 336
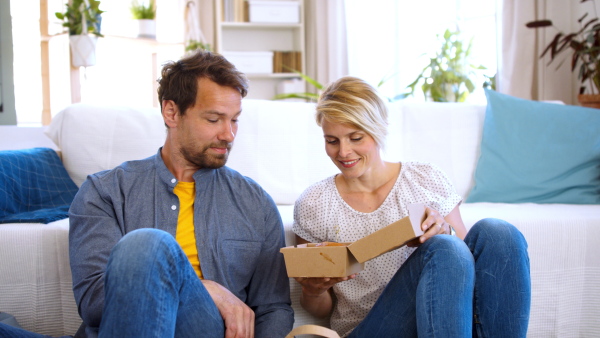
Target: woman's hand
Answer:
pixel 314 287
pixel 434 224
pixel 316 298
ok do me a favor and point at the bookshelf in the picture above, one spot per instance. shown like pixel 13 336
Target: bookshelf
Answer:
pixel 286 40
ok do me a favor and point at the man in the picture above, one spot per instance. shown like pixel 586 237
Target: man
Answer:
pixel 178 244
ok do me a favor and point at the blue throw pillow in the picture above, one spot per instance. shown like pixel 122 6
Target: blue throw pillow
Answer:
pixel 34 186
pixel 538 152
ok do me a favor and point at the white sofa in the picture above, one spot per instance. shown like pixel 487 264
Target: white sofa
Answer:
pixel 279 145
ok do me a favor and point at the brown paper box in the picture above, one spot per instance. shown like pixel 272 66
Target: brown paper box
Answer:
pixel 308 260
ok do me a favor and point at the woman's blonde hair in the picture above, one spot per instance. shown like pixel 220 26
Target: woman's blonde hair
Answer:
pixel 351 100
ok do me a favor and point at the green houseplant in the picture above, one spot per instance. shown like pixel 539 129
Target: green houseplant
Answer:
pixel 82 19
pixel 192 45
pixel 307 96
pixel 449 75
pixel 584 43
pixel 143 10
pixel 145 13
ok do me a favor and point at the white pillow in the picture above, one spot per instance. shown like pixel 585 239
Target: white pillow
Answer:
pixel 280 146
pixel 93 138
pixel 445 134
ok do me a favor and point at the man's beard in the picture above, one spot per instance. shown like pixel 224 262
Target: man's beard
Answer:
pixel 204 160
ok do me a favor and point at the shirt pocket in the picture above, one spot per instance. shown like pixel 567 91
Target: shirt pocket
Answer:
pixel 241 259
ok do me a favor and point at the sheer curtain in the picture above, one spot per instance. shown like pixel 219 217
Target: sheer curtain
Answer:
pixel 522 73
pixel 326 47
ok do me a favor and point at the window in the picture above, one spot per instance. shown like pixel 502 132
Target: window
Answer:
pixel 126 67
pixel 390 37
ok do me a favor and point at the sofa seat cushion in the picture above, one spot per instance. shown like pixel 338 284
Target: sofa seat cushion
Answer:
pixel 35 277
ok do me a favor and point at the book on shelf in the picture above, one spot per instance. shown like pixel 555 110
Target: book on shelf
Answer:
pixel 287 61
pixel 235 11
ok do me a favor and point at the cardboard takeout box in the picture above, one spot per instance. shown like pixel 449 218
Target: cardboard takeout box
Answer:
pixel 312 260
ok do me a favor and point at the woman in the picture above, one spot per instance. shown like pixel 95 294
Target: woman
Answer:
pixel 440 285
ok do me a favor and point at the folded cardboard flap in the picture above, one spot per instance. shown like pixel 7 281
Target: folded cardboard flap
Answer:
pixel 391 237
pixel 312 260
pixel 309 260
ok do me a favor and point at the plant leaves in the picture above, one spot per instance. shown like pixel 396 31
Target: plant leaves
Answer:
pixel 304 96
pixel 538 24
pixel 552 47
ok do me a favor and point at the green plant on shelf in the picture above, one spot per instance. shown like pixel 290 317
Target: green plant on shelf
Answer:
pixel 82 17
pixel 308 96
pixel 192 45
pixel 143 10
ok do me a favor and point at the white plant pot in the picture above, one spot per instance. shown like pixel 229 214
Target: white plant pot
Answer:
pixel 147 29
pixel 83 50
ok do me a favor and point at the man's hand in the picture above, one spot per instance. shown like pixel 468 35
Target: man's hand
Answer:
pixel 238 317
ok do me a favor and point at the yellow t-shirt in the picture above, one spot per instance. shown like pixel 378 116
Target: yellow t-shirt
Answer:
pixel 185 236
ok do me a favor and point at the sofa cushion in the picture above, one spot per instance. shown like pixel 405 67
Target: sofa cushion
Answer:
pixel 34 186
pixel 93 138
pixel 445 134
pixel 280 146
pixel 538 152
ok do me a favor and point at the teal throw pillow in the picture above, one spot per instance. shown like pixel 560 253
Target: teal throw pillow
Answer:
pixel 538 152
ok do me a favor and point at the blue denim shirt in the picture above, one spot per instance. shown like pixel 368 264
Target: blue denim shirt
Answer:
pixel 238 232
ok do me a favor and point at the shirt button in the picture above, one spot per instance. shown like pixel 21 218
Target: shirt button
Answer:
pixel 173 207
pixel 173 180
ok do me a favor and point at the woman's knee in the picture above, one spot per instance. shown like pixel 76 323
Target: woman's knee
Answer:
pixel 447 247
pixel 492 234
pixel 497 230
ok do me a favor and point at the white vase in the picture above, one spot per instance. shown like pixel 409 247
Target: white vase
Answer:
pixel 147 29
pixel 83 50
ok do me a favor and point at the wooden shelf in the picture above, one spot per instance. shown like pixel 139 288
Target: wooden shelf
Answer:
pixel 261 37
pixel 226 24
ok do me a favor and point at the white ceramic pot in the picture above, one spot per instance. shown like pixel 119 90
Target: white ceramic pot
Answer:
pixel 83 50
pixel 147 29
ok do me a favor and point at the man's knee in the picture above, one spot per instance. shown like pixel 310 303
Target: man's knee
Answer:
pixel 143 246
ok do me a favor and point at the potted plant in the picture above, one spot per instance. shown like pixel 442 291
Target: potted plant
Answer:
pixel 145 13
pixel 192 45
pixel 82 19
pixel 584 43
pixel 448 76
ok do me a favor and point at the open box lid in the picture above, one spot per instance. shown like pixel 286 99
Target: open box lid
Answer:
pixel 391 237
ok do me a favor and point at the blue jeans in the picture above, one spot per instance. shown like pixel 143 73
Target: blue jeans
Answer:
pixel 151 290
pixel 449 288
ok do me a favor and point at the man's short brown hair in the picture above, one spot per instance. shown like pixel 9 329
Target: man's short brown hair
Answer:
pixel 179 79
